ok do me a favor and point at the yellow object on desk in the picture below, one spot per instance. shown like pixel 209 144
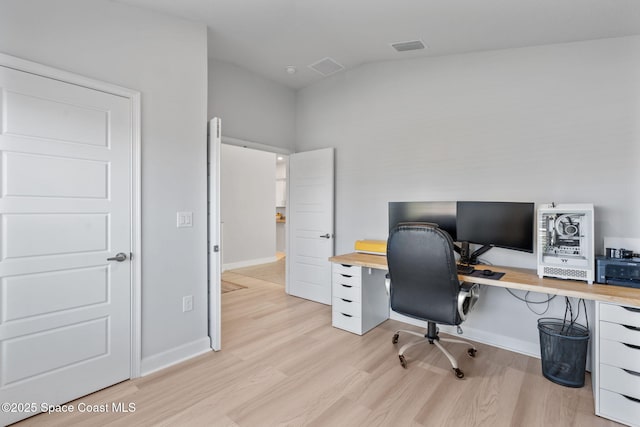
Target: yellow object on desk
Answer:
pixel 376 247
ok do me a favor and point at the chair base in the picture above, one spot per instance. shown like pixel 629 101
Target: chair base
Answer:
pixel 432 337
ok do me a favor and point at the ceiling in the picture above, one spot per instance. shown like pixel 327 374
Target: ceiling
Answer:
pixel 266 36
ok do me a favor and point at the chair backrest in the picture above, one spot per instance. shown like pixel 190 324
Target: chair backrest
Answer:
pixel 422 269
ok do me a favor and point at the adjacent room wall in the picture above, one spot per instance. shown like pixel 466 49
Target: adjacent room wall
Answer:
pixel 247 206
pixel 165 59
pixel 252 108
pixel 556 123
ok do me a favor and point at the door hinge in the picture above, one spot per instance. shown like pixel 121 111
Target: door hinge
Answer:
pixel 216 248
pixel 130 256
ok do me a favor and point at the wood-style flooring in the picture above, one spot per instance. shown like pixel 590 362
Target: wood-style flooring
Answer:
pixel 282 364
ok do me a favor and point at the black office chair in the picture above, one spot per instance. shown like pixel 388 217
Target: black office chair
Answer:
pixel 424 284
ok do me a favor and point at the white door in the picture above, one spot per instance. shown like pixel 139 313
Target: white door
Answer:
pixel 64 209
pixel 214 233
pixel 311 224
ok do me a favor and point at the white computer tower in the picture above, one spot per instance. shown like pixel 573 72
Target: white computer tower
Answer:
pixel 565 242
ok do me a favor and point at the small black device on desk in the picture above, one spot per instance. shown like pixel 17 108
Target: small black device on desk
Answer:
pixel 618 271
pixel 464 269
pixel 487 274
pixel 468 270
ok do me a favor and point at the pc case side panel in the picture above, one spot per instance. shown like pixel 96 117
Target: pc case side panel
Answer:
pixel 566 242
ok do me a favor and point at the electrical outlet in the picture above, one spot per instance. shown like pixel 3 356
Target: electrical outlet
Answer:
pixel 184 219
pixel 187 303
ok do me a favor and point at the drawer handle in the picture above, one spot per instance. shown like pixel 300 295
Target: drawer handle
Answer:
pixel 635 347
pixel 348 300
pixel 346 315
pixel 635 310
pixel 346 265
pixel 346 275
pixel 637 374
pixel 633 328
pixel 633 399
pixel 347 286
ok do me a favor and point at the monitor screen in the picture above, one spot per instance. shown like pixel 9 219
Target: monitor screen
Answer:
pixel 501 224
pixel 441 213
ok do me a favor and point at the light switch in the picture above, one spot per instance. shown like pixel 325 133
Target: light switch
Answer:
pixel 185 219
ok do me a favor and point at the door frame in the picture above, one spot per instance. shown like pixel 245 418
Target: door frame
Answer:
pixel 134 179
pixel 214 238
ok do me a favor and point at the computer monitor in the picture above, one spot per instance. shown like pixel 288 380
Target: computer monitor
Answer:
pixel 441 213
pixel 507 225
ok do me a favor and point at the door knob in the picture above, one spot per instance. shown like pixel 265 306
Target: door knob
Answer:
pixel 326 236
pixel 119 257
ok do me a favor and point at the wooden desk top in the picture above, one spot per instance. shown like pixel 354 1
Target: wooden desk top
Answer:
pixel 363 260
pixel 519 278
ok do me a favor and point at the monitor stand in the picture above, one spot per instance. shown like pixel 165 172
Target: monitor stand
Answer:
pixel 473 258
pixel 463 250
pixel 467 258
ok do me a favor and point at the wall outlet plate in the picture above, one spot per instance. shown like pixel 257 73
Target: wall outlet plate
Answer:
pixel 184 219
pixel 187 303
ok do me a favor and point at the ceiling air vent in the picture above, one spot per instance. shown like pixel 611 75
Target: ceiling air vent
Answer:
pixel 409 45
pixel 326 66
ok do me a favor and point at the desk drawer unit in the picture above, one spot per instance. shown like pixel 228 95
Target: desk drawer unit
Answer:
pixel 348 307
pixel 347 322
pixel 347 270
pixel 617 367
pixel 347 291
pixel 359 300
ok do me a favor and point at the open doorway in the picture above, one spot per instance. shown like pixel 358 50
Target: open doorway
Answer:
pixel 253 213
pixel 309 196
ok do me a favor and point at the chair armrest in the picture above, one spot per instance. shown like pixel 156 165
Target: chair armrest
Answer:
pixel 467 298
pixel 466 286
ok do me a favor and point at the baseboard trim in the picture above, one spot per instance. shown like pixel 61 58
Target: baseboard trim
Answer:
pixel 248 263
pixel 174 356
pixel 500 341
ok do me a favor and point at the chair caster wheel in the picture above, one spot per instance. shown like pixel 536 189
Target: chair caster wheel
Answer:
pixel 472 352
pixel 459 373
pixel 403 361
pixel 395 339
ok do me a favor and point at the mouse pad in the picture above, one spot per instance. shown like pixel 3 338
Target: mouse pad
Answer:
pixel 479 273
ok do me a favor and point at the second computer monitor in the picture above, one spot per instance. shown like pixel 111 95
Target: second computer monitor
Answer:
pixel 500 224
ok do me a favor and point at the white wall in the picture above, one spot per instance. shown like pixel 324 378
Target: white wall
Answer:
pixel 553 123
pixel 165 59
pixel 251 107
pixel 247 206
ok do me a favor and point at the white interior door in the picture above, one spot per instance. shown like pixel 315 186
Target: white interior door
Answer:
pixel 214 234
pixel 310 214
pixel 65 310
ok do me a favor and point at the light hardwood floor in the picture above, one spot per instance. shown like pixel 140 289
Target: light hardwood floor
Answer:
pixel 283 364
pixel 271 272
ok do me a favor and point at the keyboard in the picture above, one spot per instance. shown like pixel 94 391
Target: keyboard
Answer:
pixel 465 269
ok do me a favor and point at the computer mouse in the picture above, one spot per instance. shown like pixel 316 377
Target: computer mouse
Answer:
pixel 487 273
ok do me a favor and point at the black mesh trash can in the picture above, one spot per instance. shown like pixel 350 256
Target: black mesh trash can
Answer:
pixel 563 351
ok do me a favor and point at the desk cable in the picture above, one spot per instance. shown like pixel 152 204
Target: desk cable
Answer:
pixel 526 299
pixel 568 309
